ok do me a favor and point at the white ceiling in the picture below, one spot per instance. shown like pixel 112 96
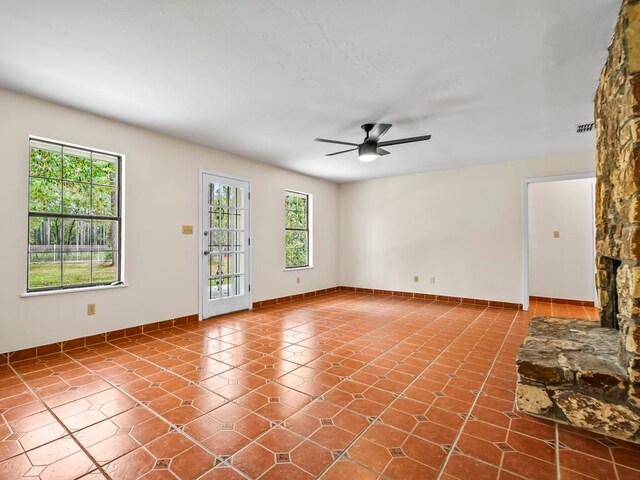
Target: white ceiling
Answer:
pixel 491 80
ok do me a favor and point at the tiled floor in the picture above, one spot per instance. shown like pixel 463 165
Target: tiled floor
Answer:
pixel 346 386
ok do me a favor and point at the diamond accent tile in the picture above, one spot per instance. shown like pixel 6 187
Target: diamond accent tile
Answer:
pixel 227 426
pixel 358 396
pixel 186 402
pixel 14 437
pixel 282 458
pixel 274 399
pixel 326 421
pixel 447 448
pixel 421 418
pixel 511 415
pixel 339 453
pixel 396 452
pixel 162 464
pixel 505 447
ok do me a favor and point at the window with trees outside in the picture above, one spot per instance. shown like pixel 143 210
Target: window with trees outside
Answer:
pixel 74 217
pixel 297 231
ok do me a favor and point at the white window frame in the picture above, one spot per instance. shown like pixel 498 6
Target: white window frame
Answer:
pixel 120 283
pixel 309 230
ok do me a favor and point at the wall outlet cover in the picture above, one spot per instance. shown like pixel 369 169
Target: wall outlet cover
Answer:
pixel 416 278
pixel 187 229
pixel 91 309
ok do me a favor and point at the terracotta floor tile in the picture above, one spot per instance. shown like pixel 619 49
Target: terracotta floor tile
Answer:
pixel 133 465
pixel 463 467
pixel 370 454
pixel 586 464
pixel 347 470
pixel 311 457
pixel 528 467
pixel 347 385
pixel 254 460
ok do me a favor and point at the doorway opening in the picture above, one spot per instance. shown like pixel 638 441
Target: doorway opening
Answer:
pixel 559 240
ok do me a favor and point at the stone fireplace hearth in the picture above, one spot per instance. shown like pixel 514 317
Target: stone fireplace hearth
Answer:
pixel 575 371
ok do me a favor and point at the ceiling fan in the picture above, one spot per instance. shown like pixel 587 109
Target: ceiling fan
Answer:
pixel 371 147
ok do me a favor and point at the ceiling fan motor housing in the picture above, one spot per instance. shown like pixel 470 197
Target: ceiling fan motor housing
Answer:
pixel 368 151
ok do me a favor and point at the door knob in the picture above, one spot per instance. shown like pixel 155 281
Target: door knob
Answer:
pixel 206 252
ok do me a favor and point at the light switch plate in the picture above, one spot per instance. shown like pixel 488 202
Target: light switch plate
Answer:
pixel 91 309
pixel 187 229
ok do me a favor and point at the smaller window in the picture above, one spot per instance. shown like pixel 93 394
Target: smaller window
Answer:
pixel 297 230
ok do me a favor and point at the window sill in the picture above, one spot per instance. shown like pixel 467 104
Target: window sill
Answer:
pixel 71 290
pixel 298 268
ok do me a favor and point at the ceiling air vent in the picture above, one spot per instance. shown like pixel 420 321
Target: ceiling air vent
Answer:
pixel 584 127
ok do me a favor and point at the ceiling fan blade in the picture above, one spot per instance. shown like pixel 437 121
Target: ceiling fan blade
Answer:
pixel 335 141
pixel 338 153
pixel 382 151
pixel 404 140
pixel 378 130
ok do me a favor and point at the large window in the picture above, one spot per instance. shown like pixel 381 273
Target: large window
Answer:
pixel 297 231
pixel 74 217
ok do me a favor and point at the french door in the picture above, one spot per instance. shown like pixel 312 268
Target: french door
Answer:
pixel 224 280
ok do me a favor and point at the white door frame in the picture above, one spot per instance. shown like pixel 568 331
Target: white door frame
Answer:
pixel 201 228
pixel 525 228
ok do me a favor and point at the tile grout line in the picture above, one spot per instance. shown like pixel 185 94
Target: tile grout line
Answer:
pixel 475 400
pixel 411 383
pixel 66 429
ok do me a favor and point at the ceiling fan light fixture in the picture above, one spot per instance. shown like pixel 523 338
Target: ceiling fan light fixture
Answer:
pixel 367 152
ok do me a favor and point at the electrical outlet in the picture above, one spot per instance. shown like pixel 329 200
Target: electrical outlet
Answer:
pixel 187 229
pixel 416 279
pixel 432 279
pixel 297 279
pixel 91 309
pixel 556 234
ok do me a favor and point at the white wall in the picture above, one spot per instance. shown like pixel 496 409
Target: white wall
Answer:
pixel 561 267
pixel 463 227
pixel 161 195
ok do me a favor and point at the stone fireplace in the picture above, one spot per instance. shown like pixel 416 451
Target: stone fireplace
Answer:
pixel 580 372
